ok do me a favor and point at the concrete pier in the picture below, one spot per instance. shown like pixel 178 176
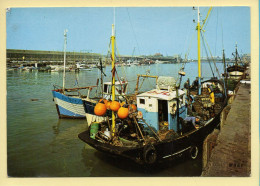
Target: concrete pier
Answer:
pixel 230 152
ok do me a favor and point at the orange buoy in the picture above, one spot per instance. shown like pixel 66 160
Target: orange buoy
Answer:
pixel 102 99
pixel 100 109
pixel 122 112
pixel 115 105
pixel 108 104
pixel 132 107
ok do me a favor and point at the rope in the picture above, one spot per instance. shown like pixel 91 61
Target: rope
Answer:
pixel 133 31
pixel 216 33
pixel 124 73
pixel 187 54
pixel 142 83
pixel 222 36
pixel 207 55
pixel 118 79
pixel 211 56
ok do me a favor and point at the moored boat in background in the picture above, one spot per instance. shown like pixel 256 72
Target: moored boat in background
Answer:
pixel 68 101
pixel 236 71
pixel 70 105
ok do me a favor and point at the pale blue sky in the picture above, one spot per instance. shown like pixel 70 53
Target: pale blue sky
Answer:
pixel 168 30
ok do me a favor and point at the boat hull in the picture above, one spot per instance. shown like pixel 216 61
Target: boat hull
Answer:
pixel 163 150
pixel 90 115
pixel 236 72
pixel 68 106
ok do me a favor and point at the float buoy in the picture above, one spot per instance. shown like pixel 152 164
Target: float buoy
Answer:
pixel 108 104
pixel 102 100
pixel 132 107
pixel 122 112
pixel 100 109
pixel 114 106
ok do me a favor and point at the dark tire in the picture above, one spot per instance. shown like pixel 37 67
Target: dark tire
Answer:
pixel 149 155
pixel 194 151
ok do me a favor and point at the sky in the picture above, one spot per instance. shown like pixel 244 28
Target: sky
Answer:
pixel 139 30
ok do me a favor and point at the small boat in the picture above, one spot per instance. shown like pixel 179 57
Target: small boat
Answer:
pixel 80 66
pixel 69 101
pixel 86 69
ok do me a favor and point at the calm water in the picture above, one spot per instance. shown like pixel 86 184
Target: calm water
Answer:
pixel 41 145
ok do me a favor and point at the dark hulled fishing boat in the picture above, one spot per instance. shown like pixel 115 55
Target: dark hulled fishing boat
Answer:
pixel 158 129
pixel 158 138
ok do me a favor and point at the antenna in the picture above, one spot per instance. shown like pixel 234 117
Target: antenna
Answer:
pixel 114 15
pixel 65 32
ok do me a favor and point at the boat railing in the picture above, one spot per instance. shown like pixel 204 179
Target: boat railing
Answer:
pixel 57 87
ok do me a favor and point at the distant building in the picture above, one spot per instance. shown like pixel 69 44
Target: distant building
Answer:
pixel 246 58
pixel 158 55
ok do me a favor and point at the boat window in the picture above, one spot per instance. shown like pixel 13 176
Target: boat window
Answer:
pixel 142 101
pixel 105 88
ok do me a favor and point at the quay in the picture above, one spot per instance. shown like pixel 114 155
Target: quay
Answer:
pixel 227 152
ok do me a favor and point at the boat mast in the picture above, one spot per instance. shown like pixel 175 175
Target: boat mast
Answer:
pixel 101 76
pixel 199 65
pixel 178 111
pixel 236 56
pixel 225 72
pixel 113 77
pixel 224 63
pixel 65 45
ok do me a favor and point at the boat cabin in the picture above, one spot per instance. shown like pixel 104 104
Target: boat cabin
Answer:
pixel 159 106
pixel 120 89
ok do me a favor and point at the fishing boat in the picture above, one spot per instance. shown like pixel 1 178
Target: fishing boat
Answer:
pixel 236 71
pixel 233 74
pixel 68 101
pixel 157 129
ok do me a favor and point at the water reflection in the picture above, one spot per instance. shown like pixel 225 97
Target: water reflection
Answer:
pixel 101 164
pixel 56 128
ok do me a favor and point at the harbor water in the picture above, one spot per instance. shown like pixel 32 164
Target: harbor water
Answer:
pixel 39 144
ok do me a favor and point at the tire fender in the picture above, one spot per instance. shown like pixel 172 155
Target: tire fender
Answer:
pixel 194 150
pixel 149 154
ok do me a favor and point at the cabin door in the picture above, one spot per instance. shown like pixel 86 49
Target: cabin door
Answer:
pixel 163 113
